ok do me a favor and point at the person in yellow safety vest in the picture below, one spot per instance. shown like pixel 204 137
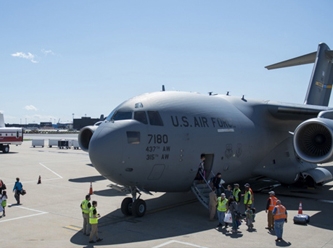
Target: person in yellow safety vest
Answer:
pixel 236 192
pixel 247 197
pixel 85 207
pixel 280 216
pixel 252 194
pixel 271 203
pixel 221 209
pixel 93 220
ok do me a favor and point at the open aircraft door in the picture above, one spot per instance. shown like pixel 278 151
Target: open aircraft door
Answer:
pixel 209 165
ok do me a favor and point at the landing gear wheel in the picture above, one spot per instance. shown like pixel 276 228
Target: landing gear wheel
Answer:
pixel 126 206
pixel 5 149
pixel 139 208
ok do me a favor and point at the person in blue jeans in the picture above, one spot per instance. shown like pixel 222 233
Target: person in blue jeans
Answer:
pixel 280 217
pixel 17 189
pixel 221 209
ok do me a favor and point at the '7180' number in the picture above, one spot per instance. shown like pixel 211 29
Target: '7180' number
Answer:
pixel 158 139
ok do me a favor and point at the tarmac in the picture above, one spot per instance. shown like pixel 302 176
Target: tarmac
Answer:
pixel 50 216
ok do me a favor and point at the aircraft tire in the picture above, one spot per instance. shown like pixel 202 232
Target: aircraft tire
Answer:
pixel 5 149
pixel 126 206
pixel 139 208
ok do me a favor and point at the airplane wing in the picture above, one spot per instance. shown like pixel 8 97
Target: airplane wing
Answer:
pixel 296 111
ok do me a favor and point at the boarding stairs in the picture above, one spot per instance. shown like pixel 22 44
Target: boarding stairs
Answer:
pixel 201 191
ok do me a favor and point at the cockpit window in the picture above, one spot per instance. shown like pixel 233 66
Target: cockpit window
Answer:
pixel 133 137
pixel 122 116
pixel 141 116
pixel 155 118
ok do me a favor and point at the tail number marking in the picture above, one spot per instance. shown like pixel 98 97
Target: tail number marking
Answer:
pixel 158 139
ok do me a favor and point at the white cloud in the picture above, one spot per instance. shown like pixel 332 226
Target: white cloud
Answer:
pixel 28 56
pixel 47 52
pixel 30 107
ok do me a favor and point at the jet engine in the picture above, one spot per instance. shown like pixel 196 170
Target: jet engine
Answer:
pixel 313 140
pixel 85 136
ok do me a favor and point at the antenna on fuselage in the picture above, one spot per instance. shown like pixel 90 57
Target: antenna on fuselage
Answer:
pixel 163 88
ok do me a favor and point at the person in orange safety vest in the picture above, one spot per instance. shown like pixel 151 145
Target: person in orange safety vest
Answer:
pixel 271 203
pixel 280 217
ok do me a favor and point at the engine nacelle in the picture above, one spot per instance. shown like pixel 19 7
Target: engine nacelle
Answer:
pixel 313 140
pixel 85 136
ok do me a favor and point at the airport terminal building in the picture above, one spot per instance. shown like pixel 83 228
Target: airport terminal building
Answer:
pixel 77 124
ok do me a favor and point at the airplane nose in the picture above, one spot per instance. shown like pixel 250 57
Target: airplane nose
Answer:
pixel 105 150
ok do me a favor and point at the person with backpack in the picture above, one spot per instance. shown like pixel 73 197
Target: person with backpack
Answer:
pixel 18 187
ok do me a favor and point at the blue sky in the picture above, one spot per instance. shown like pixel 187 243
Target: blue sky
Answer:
pixel 59 58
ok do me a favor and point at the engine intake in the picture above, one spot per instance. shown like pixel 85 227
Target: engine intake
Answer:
pixel 313 140
pixel 84 137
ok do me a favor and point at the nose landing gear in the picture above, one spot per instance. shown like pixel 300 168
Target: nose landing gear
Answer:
pixel 133 206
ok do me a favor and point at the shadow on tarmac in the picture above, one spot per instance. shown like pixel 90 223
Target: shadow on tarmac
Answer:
pixel 86 179
pixel 109 192
pixel 179 214
pixel 9 153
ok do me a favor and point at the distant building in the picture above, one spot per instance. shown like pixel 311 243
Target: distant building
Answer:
pixel 85 121
pixel 46 125
pixel 76 125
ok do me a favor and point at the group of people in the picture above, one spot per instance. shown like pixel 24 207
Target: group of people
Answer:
pixel 276 215
pixel 226 205
pixel 18 190
pixel 90 219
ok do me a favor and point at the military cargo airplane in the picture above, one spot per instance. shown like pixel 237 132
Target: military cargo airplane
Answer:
pixel 9 135
pixel 153 142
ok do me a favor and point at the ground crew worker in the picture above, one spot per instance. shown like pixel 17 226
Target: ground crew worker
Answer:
pixel 236 192
pixel 280 216
pixel 247 198
pixel 252 194
pixel 85 206
pixel 271 203
pixel 221 209
pixel 93 221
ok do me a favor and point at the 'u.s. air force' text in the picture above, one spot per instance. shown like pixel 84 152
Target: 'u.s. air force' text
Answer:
pixel 197 121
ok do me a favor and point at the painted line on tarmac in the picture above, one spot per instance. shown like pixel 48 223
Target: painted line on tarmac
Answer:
pixel 179 242
pixel 51 170
pixel 73 228
pixel 25 216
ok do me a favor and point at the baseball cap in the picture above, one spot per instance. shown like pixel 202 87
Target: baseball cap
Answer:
pixel 271 192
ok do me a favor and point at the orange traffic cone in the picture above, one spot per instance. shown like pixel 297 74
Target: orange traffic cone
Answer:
pixel 300 210
pixel 90 190
pixel 39 180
